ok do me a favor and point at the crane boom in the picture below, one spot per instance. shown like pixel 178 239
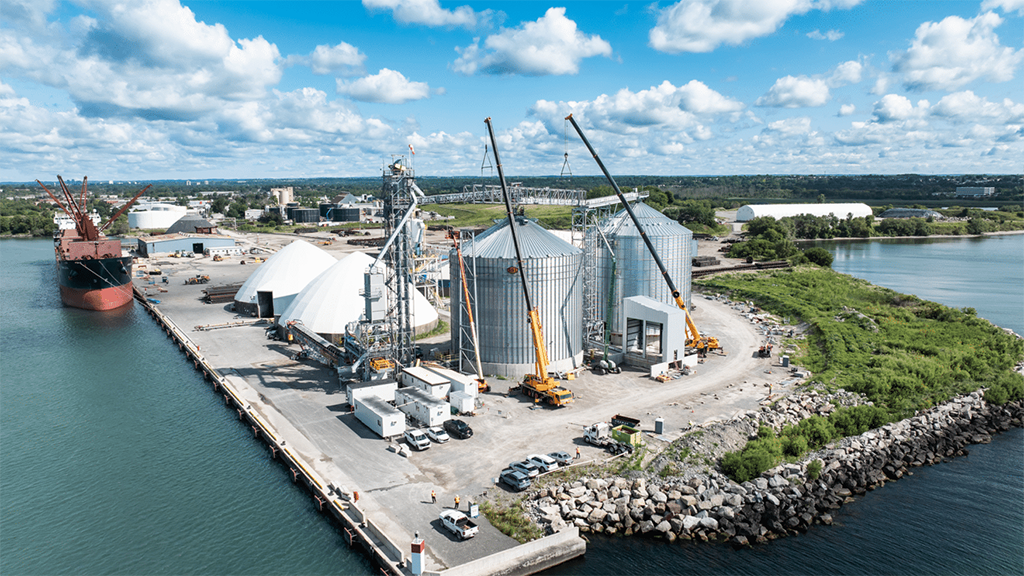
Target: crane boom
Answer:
pixel 696 339
pixel 539 382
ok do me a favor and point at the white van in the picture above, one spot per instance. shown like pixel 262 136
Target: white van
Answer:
pixel 417 439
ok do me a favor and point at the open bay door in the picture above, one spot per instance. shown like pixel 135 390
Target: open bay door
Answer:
pixel 265 303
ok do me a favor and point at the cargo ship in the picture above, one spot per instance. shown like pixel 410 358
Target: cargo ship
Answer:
pixel 92 271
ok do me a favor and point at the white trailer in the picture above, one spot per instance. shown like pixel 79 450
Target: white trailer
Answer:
pixel 431 383
pixel 421 406
pixel 460 382
pixel 383 389
pixel 379 416
pixel 461 402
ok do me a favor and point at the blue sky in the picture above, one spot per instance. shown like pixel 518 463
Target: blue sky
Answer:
pixel 146 89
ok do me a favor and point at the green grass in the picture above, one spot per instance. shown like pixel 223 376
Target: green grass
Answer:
pixel 904 353
pixel 511 521
pixel 484 215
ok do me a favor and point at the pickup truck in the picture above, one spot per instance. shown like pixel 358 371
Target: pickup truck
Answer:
pixel 459 524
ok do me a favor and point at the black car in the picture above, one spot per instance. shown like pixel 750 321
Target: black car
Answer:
pixel 458 429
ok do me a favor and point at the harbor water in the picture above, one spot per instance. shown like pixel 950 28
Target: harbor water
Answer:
pixel 117 458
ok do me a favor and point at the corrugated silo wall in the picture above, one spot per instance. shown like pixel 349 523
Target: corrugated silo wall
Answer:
pixel 638 275
pixel 506 344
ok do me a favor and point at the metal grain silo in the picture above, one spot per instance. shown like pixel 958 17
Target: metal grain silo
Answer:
pixel 636 272
pixel 553 271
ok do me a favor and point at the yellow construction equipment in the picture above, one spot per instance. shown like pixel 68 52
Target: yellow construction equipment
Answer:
pixel 538 385
pixel 694 339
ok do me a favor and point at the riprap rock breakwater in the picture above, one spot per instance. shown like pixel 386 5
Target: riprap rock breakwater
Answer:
pixel 783 501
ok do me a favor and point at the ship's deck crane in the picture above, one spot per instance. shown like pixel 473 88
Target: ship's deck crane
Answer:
pixel 539 384
pixel 694 339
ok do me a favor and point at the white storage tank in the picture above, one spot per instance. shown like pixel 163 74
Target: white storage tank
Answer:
pixel 383 418
pixel 553 271
pixel 636 273
pixel 421 406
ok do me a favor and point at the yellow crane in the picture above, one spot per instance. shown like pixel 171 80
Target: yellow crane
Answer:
pixel 702 343
pixel 538 385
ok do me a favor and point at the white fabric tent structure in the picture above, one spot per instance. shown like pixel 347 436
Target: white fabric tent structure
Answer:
pixel 284 275
pixel 751 211
pixel 332 300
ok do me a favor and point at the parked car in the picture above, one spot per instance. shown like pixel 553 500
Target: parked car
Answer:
pixel 437 435
pixel 563 458
pixel 526 467
pixel 515 479
pixel 416 439
pixel 544 462
pixel 459 524
pixel 458 429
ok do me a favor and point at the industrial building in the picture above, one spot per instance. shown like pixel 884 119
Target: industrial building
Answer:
pixel 553 269
pixel 751 211
pixel 329 302
pixel 149 246
pixel 275 283
pixel 974 191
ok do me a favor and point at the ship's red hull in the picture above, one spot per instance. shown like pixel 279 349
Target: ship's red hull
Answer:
pixel 97 299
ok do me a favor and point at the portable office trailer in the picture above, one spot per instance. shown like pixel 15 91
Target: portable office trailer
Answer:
pixel 383 389
pixel 421 406
pixel 460 382
pixel 425 380
pixel 461 402
pixel 383 418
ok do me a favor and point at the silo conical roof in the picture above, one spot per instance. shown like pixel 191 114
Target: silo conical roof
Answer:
pixel 286 273
pixel 330 301
pixel 655 223
pixel 534 242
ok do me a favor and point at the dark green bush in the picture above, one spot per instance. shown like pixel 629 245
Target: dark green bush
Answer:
pixel 814 469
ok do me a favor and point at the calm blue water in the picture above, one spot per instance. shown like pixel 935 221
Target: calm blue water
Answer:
pixel 116 458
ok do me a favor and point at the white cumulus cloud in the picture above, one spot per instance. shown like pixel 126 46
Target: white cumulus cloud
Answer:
pixel 1006 6
pixel 947 55
pixel 551 45
pixel 808 92
pixel 387 86
pixel 847 109
pixel 968 106
pixel 796 92
pixel 790 126
pixel 831 35
pixel 430 13
pixel 343 59
pixel 703 25
pixel 893 107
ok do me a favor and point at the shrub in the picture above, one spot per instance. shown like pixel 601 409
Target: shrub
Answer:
pixel 819 256
pixel 794 445
pixel 814 469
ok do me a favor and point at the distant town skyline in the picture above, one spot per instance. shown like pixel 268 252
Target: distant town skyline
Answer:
pixel 169 89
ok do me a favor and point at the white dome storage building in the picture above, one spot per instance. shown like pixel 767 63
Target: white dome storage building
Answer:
pixel 751 211
pixel 156 216
pixel 332 300
pixel 275 283
pixel 553 270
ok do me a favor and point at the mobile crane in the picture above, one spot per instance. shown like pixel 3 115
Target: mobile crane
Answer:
pixel 538 385
pixel 695 339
